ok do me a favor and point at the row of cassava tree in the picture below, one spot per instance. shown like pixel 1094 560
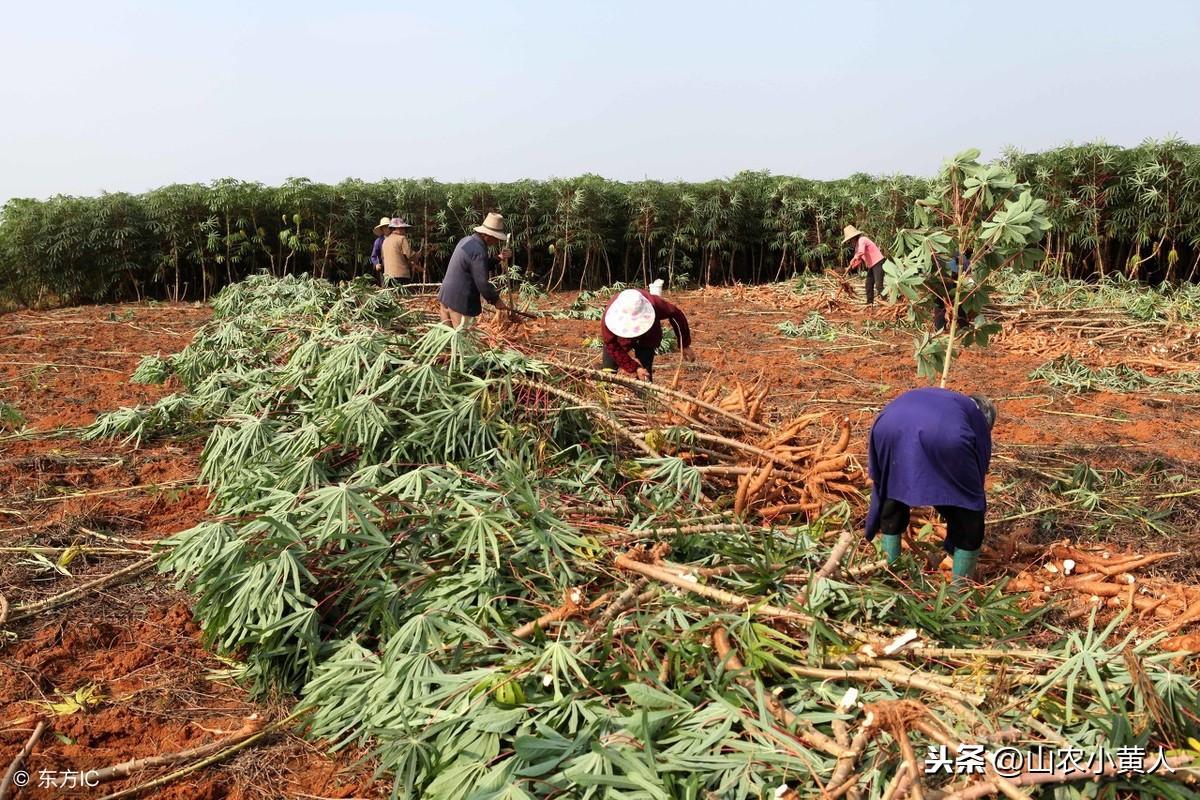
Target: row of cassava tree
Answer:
pixel 1134 211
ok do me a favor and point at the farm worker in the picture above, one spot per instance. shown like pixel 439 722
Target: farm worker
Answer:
pixel 397 253
pixel 947 278
pixel 377 249
pixel 932 447
pixel 467 274
pixel 633 321
pixel 868 255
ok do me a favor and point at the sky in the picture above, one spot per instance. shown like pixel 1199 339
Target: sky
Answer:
pixel 127 96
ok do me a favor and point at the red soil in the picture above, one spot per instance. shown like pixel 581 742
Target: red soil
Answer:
pixel 137 644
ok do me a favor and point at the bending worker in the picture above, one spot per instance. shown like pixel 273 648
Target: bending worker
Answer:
pixel 932 447
pixel 633 321
pixel 466 278
pixel 868 255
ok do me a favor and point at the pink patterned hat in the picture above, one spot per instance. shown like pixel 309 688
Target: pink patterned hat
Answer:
pixel 630 315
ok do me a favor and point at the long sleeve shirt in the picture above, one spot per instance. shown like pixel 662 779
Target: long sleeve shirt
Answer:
pixel 619 348
pixel 397 256
pixel 466 278
pixel 377 251
pixel 928 447
pixel 866 253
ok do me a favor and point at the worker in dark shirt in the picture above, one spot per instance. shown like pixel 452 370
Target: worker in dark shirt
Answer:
pixel 381 232
pixel 932 447
pixel 632 321
pixel 466 278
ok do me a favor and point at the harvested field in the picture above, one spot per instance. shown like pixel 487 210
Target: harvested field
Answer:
pixel 1082 473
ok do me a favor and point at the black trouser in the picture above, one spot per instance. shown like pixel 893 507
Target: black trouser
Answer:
pixel 874 282
pixel 401 280
pixel 964 527
pixel 645 357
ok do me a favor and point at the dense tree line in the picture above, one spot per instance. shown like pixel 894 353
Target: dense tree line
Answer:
pixel 1134 211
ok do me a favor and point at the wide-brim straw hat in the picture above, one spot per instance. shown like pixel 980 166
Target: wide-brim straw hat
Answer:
pixel 849 233
pixel 398 222
pixel 493 226
pixel 383 223
pixel 630 315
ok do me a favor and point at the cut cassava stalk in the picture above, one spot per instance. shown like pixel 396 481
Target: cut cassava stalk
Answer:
pixel 571 606
pixel 845 540
pixel 847 762
pixel 6 784
pixel 128 768
pixel 607 419
pixel 910 758
pixel 623 601
pixel 730 662
pixel 651 387
pixel 205 761
pixel 727 598
pixel 1002 783
pixel 913 680
pixel 132 571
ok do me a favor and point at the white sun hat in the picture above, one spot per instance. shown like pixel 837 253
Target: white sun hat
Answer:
pixel 630 315
pixel 493 226
pixel 382 226
pixel 849 233
pixel 656 288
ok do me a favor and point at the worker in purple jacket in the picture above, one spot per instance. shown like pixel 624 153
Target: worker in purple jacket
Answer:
pixel 932 447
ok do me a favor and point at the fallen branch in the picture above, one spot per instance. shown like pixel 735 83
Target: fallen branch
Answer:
pixel 607 419
pixel 728 598
pixel 133 570
pixel 623 601
pixel 571 606
pixel 839 551
pixel 221 755
pixel 7 783
pixel 846 763
pixel 730 662
pixel 652 387
pixel 911 680
pixel 127 768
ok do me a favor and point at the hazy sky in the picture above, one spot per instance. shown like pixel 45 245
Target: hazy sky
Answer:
pixel 131 95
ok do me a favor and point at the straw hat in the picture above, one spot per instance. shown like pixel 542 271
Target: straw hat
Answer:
pixel 630 315
pixel 493 226
pixel 383 223
pixel 850 232
pixel 398 222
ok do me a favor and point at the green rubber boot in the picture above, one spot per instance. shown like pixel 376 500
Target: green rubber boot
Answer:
pixel 891 546
pixel 964 565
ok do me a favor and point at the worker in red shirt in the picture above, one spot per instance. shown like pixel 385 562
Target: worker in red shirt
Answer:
pixel 867 255
pixel 632 321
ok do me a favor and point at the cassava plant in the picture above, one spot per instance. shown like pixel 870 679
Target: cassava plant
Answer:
pixel 976 214
pixel 461 559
